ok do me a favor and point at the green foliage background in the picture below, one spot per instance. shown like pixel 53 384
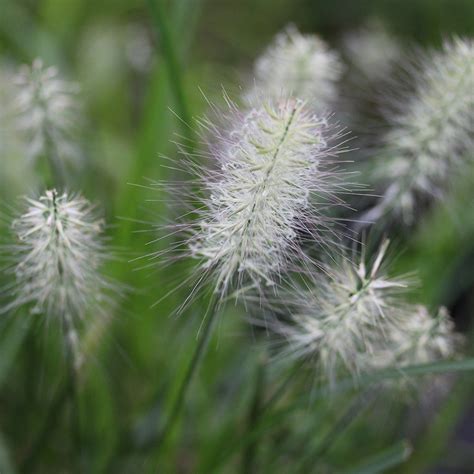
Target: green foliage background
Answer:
pixel 137 357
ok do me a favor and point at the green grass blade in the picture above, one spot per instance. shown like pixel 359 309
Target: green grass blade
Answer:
pixel 342 387
pixel 6 462
pixel 10 344
pixel 387 459
pixel 172 64
pixel 403 372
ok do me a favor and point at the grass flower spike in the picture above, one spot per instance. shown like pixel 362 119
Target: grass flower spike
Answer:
pixel 58 258
pixel 270 161
pixel 424 338
pixel 342 318
pixel 300 65
pixel 47 114
pixel 270 164
pixel 431 133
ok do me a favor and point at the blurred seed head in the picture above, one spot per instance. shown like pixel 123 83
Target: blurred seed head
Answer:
pixel 138 48
pixel 302 66
pixel 47 113
pixel 15 174
pixel 372 50
pixel 432 131
pixel 423 338
pixel 57 257
pixel 341 318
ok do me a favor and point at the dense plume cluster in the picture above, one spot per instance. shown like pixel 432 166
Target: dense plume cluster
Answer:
pixel 341 316
pixel 349 315
pixel 354 318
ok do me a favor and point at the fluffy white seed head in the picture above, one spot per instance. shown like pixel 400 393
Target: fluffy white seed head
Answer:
pixel 432 130
pixel 299 65
pixel 422 338
pixel 341 318
pixel 271 164
pixel 47 113
pixel 58 256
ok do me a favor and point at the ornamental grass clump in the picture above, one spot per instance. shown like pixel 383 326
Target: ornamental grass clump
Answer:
pixel 274 176
pixel 354 317
pixel 339 318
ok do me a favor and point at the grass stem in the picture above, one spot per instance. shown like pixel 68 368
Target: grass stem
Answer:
pixel 179 399
pixel 249 459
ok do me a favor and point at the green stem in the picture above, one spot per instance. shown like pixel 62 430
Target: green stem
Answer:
pixel 69 392
pixel 173 67
pixel 250 453
pixel 58 173
pixel 74 361
pixel 200 350
pixel 222 451
pixel 282 388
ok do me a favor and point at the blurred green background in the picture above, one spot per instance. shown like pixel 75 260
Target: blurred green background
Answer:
pixel 113 50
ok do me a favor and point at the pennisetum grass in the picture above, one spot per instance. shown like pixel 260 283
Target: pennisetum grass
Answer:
pixel 422 338
pixel 59 250
pixel 259 227
pixel 302 66
pixel 353 316
pixel 58 256
pixel 372 50
pixel 269 163
pixel 431 132
pixel 47 115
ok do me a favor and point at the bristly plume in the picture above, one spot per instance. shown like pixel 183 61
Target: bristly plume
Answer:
pixel 57 260
pixel 431 133
pixel 340 319
pixel 302 66
pixel 421 339
pixel 48 114
pixel 272 162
